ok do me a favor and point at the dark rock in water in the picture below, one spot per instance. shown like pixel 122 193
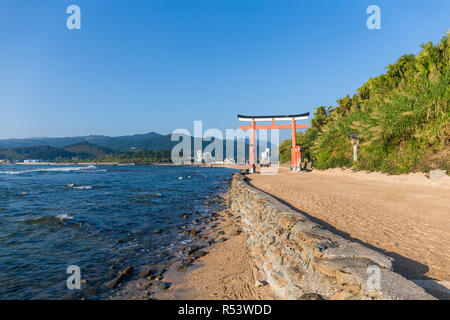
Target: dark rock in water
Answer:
pixel 185 263
pixel 188 250
pixel 221 233
pixel 144 273
pixel 198 254
pixel 88 291
pixel 182 267
pixel 311 296
pixel 163 285
pixel 193 232
pixel 114 282
pixel 74 295
pixel 158 231
pixel 143 284
pixel 127 271
pixel 151 272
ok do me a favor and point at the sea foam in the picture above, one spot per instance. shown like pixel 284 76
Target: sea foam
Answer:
pixel 59 169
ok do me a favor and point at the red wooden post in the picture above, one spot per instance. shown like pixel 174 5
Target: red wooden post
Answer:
pixel 294 145
pixel 253 146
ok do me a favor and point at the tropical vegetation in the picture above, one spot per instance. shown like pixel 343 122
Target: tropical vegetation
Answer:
pixel 401 117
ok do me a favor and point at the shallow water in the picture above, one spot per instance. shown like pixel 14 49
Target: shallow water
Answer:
pixel 99 218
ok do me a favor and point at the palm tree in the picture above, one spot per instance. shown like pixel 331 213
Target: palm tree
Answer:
pixel 320 117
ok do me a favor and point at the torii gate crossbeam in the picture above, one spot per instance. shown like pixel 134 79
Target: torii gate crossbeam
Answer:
pixel 296 155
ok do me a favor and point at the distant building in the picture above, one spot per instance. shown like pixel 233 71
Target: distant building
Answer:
pixel 199 158
pixel 31 161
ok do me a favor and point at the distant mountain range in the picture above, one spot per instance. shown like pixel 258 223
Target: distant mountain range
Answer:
pixel 89 147
pixel 148 141
pixel 79 151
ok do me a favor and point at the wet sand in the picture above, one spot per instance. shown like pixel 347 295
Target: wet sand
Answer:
pixel 224 273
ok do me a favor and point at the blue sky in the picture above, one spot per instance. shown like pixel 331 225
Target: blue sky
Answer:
pixel 140 66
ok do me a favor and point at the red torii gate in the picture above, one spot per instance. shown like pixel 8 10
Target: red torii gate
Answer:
pixel 296 154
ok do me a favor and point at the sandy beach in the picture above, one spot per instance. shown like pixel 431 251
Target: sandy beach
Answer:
pixel 406 217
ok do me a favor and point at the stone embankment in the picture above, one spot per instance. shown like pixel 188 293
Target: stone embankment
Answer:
pixel 300 259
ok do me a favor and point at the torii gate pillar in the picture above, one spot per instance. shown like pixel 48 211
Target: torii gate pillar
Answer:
pixel 252 156
pixel 296 151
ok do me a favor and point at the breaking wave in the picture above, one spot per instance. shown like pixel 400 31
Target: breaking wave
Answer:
pixel 59 169
pixel 72 186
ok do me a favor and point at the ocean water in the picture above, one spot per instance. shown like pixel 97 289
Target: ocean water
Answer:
pixel 99 218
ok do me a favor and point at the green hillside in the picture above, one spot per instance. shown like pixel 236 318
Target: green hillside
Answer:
pixel 75 152
pixel 402 118
pixel 85 148
pixel 122 143
pixel 84 151
pixel 45 153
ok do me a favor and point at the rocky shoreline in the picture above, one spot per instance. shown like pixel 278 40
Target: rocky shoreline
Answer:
pixel 148 281
pixel 224 270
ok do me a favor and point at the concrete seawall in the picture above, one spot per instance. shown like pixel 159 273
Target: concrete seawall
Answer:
pixel 299 259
